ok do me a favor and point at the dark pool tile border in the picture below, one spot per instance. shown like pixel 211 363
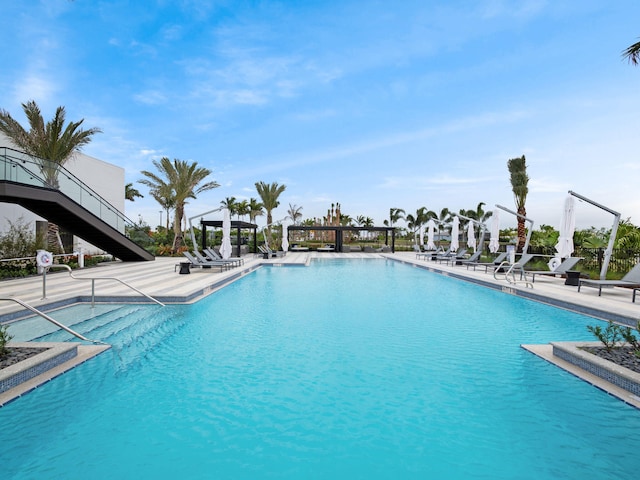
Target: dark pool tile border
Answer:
pixel 56 354
pixel 195 295
pixel 24 366
pixel 531 295
pixel 619 376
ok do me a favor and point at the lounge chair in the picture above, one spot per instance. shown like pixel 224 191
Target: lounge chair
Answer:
pixel 430 253
pixel 452 256
pixel 268 253
pixel 631 280
pixel 561 269
pixel 472 259
pixel 518 266
pixel 204 259
pixel 196 262
pixel 213 255
pixel 496 261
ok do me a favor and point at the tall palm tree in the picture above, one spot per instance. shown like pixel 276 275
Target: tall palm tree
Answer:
pixel 269 194
pixel 185 180
pixel 294 213
pixel 395 214
pixel 131 193
pixel 632 53
pixel 255 209
pixel 163 194
pixel 242 208
pixel 52 143
pixel 230 204
pixel 519 185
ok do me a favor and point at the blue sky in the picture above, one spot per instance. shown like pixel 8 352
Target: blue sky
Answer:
pixel 371 104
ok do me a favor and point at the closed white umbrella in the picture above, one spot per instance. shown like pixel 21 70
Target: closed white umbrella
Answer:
pixel 471 236
pixel 564 247
pixel 430 234
pixel 494 240
pixel 455 232
pixel 285 237
pixel 421 235
pixel 225 248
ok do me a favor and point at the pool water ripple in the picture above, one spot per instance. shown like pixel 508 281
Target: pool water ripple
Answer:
pixel 363 370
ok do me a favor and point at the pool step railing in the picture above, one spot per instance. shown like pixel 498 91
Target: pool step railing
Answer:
pixel 94 325
pixel 142 326
pixel 510 273
pixel 49 319
pixel 93 284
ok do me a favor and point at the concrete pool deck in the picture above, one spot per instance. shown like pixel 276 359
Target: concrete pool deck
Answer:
pixel 162 280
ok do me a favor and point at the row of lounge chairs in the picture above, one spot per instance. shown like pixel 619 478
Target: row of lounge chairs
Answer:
pixel 631 280
pixel 268 253
pixel 499 262
pixel 211 259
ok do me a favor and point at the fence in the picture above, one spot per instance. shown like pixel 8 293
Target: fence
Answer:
pixel 622 260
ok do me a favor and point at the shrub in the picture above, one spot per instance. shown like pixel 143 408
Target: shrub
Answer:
pixel 609 336
pixel 4 339
pixel 19 241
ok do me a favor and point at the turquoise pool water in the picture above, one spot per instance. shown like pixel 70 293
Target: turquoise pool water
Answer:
pixel 346 369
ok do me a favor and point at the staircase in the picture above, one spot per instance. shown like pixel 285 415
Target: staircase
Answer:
pixel 72 205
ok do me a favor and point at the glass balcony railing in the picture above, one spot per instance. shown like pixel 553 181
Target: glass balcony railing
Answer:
pixel 18 167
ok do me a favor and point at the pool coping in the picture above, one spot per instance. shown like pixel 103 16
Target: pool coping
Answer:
pixel 530 294
pixel 200 293
pixel 39 369
pixel 602 374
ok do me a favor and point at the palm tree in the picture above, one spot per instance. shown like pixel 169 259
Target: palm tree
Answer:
pixel 164 195
pixel 294 213
pixel 242 208
pixel 519 185
pixel 184 180
pixel 269 194
pixel 632 53
pixel 255 209
pixel 52 144
pixel 230 204
pixel 395 214
pixel 131 193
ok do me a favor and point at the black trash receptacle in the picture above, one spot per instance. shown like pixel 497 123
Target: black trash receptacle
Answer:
pixel 573 278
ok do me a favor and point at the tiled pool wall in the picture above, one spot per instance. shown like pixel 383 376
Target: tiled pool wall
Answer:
pixel 531 294
pixel 24 371
pixel 612 373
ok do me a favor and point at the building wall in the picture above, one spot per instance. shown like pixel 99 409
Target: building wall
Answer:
pixel 106 179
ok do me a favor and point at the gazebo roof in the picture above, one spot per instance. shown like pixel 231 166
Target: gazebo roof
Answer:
pixel 234 224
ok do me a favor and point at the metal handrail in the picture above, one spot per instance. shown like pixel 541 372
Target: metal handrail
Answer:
pixel 93 284
pixel 26 169
pixel 510 272
pixel 49 319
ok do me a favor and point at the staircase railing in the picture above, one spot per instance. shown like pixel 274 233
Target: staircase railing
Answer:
pixel 93 284
pixel 49 319
pixel 19 167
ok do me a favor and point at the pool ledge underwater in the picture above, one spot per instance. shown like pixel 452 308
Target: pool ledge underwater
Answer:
pixel 58 358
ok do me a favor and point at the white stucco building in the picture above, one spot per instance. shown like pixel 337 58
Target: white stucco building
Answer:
pixel 106 179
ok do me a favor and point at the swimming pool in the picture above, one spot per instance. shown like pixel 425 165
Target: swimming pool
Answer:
pixel 346 369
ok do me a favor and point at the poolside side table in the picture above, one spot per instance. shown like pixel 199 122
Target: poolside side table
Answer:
pixel 633 297
pixel 184 268
pixel 573 278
